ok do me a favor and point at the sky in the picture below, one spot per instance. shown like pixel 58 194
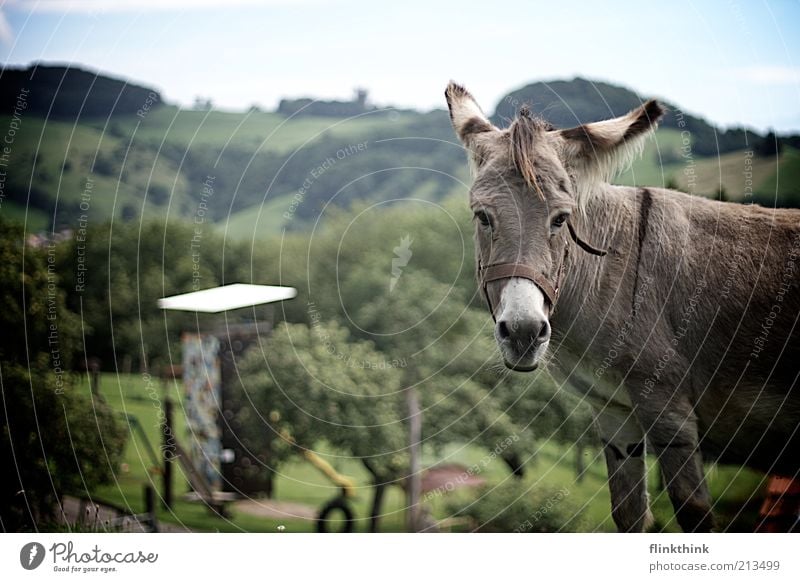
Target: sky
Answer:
pixel 733 62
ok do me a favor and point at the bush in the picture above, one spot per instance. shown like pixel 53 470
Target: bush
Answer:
pixel 52 444
pixel 512 507
pixel 158 194
pixel 54 440
pixel 104 165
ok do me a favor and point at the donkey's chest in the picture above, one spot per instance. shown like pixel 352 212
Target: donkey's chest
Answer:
pixel 590 379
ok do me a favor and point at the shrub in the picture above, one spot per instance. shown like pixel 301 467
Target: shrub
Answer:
pixel 512 507
pixel 52 444
pixel 54 440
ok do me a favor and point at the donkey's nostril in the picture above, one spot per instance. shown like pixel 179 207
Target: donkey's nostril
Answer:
pixel 502 330
pixel 544 333
pixel 526 331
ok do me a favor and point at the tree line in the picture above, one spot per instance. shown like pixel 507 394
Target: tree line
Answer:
pixel 342 354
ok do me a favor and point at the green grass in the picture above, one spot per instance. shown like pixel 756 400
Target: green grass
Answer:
pixel 298 481
pixel 552 467
pixel 736 491
pixel 262 221
pixel 257 221
pixel 50 143
pixel 146 169
pixel 65 153
pixel 662 162
pixel 727 170
pixel 785 182
pixel 270 132
pixel 655 165
pixel 35 221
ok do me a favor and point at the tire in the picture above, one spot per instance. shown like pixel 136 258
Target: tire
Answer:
pixel 337 503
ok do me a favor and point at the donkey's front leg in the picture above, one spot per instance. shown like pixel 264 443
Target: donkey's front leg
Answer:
pixel 624 447
pixel 673 435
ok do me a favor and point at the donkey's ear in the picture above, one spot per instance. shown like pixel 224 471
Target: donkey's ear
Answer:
pixel 472 127
pixel 604 147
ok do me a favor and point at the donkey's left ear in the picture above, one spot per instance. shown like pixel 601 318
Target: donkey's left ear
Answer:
pixel 472 127
pixel 604 146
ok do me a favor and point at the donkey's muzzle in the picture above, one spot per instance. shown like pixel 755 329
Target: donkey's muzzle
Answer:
pixel 524 333
pixel 522 339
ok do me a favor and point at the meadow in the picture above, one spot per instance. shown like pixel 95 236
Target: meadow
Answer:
pixel 737 491
pixel 154 167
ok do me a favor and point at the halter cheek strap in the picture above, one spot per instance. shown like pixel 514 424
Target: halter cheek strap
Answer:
pixel 497 271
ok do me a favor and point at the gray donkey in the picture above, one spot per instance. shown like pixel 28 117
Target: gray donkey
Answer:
pixel 676 317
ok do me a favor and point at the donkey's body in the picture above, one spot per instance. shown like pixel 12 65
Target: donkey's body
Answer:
pixel 678 313
pixel 684 338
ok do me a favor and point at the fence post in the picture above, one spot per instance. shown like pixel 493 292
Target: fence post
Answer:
pixel 414 492
pixel 150 507
pixel 94 376
pixel 168 452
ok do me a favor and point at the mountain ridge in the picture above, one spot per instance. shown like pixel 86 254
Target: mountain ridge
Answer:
pixel 72 92
pixel 567 103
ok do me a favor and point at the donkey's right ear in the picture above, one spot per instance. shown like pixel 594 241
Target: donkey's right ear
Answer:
pixel 472 127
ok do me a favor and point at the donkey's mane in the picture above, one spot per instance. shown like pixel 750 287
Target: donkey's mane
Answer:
pixel 523 133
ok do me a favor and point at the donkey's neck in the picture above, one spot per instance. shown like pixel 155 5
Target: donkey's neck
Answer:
pixel 605 222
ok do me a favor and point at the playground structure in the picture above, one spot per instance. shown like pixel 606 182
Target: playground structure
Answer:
pixel 215 462
pixel 219 468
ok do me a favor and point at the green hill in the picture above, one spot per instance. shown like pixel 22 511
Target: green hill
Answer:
pixel 56 167
pixel 255 131
pixel 60 92
pixel 570 103
pixel 270 171
pixel 743 175
pixel 780 185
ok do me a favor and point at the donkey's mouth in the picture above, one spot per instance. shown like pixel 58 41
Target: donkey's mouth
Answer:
pixel 525 360
pixel 521 367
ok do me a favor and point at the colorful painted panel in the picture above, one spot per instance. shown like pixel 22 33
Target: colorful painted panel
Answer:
pixel 202 382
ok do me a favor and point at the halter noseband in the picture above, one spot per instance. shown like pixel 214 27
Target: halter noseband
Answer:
pixel 496 271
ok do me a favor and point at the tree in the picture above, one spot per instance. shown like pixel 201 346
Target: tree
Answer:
pixel 769 146
pixel 115 274
pixel 310 385
pixel 54 440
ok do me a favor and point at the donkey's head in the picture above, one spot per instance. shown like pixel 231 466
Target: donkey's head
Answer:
pixel 529 180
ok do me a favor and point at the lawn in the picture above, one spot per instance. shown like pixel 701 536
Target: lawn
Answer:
pixel 67 154
pixel 54 159
pixel 552 467
pixel 786 181
pixel 662 161
pixel 267 219
pixel 258 221
pixel 270 132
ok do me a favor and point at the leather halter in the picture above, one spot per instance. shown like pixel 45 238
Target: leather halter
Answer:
pixel 496 271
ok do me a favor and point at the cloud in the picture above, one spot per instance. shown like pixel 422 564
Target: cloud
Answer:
pixel 770 74
pixel 6 34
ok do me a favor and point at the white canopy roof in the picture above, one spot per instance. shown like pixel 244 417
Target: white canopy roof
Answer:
pixel 227 297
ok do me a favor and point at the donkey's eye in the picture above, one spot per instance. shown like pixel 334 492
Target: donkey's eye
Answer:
pixel 559 220
pixel 483 218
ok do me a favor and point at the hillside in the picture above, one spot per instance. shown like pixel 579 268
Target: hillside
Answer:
pixel 71 93
pixel 570 103
pixel 158 165
pixel 254 173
